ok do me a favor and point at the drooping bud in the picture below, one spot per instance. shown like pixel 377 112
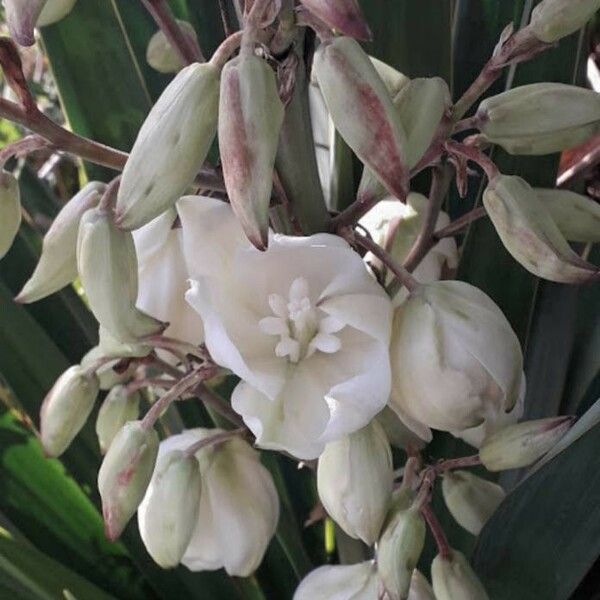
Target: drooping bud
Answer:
pixel 107 264
pixel 530 234
pixel 471 500
pixel 362 111
pixel 552 20
pixel 66 408
pixel 453 578
pixel 54 11
pixel 354 479
pixel 420 589
pixel 10 211
pixel 340 582
pixel 161 56
pixel 577 216
pixel 250 118
pixel 118 408
pixel 343 15
pixel 57 266
pixel 125 474
pixel 540 118
pixel 171 507
pixel 21 18
pixel 170 147
pixel 522 444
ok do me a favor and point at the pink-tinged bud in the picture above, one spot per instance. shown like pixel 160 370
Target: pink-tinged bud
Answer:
pixel 250 118
pixel 362 111
pixel 453 578
pixel 343 15
pixel 21 17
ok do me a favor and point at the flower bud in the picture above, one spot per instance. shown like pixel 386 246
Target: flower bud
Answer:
pixel 343 15
pixel 540 118
pixel 398 551
pixel 107 265
pixel 170 147
pixel 471 500
pixel 419 587
pixel 118 408
pixel 474 365
pixel 362 111
pixel 57 266
pixel 398 434
pixel 522 444
pixel 10 211
pixel 161 56
pixel 21 17
pixel 66 408
pixel 250 118
pixel 552 20
pixel 529 233
pixel 453 578
pixel 53 11
pixel 354 479
pixel 171 507
pixel 340 582
pixel 125 474
pixel 576 216
pixel 394 80
pixel 106 374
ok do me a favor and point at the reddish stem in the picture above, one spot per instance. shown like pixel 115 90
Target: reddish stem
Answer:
pixel 458 463
pixel 436 530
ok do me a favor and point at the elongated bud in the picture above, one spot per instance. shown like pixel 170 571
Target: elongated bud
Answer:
pixel 471 500
pixel 125 474
pixel 118 408
pixel 522 444
pixel 577 216
pixel 250 118
pixel 170 147
pixel 57 266
pixel 399 550
pixel 54 11
pixel 66 408
pixel 529 233
pixel 420 589
pixel 10 211
pixel 171 507
pixel 21 18
pixel 362 111
pixel 161 56
pixel 343 15
pixel 107 264
pixel 552 20
pixel 453 578
pixel 540 118
pixel 354 480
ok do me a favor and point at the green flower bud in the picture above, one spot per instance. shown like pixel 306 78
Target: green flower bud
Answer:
pixel 522 444
pixel 118 408
pixel 343 15
pixel 66 408
pixel 250 118
pixel 552 20
pixel 471 500
pixel 10 211
pixel 453 578
pixel 161 56
pixel 57 266
pixel 540 118
pixel 107 264
pixel 170 147
pixel 529 233
pixel 362 110
pixel 53 11
pixel 125 474
pixel 21 17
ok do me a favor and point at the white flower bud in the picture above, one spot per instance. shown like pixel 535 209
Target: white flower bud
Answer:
pixel 66 408
pixel 53 11
pixel 118 408
pixel 340 582
pixel 354 480
pixel 474 361
pixel 420 589
pixel 394 80
pixel 10 211
pixel 552 20
pixel 540 118
pixel 125 474
pixel 170 147
pixel 529 233
pixel 57 266
pixel 471 500
pixel 453 578
pixel 344 16
pixel 21 18
pixel 171 507
pixel 106 373
pixel 161 56
pixel 522 444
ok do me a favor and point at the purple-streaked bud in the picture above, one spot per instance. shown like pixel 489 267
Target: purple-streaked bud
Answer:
pixel 21 17
pixel 343 15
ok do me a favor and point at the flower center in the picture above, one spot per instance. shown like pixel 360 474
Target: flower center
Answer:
pixel 301 326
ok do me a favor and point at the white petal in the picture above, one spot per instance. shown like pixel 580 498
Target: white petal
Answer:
pixel 331 325
pixel 326 343
pixel 274 326
pixel 278 305
pixel 339 582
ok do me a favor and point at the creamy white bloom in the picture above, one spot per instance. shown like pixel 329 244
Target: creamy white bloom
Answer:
pixel 304 325
pixel 340 582
pixel 239 507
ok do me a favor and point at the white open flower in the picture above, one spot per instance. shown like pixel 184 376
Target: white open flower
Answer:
pixel 340 582
pixel 303 324
pixel 238 510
